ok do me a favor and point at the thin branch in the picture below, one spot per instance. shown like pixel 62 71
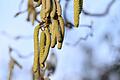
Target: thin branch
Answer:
pixel 19 54
pixel 21 2
pixel 83 38
pixel 100 14
pixel 16 37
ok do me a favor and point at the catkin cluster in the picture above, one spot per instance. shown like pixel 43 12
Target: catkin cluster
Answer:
pixel 52 33
pixel 51 27
pixel 32 14
pixel 78 4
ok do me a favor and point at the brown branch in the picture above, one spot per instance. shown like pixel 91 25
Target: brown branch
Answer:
pixel 100 14
pixel 19 54
pixel 86 37
pixel 20 12
pixel 16 37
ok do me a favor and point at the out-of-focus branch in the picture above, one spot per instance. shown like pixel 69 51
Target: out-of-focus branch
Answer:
pixel 115 68
pixel 31 9
pixel 86 37
pixel 20 12
pixel 21 2
pixel 19 54
pixel 67 23
pixel 100 14
pixel 16 37
pixel 12 64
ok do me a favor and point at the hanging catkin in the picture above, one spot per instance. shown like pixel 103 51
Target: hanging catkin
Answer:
pixel 78 5
pixel 52 13
pixel 31 11
pixel 53 39
pixel 48 6
pixel 59 11
pixel 42 12
pixel 44 46
pixel 57 31
pixel 36 48
pixel 52 27
pixel 76 12
pixel 61 24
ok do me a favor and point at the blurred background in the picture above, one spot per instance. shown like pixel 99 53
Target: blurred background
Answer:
pixel 89 52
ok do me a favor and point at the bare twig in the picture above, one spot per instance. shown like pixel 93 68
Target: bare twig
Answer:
pixel 100 14
pixel 19 54
pixel 86 37
pixel 16 37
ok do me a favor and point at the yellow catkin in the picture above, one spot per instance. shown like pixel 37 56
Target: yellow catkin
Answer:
pixel 42 48
pixel 53 39
pixel 48 6
pixel 50 28
pixel 53 12
pixel 59 11
pixel 44 4
pixel 36 75
pixel 11 66
pixel 36 51
pixel 42 15
pixel 47 47
pixel 62 28
pixel 42 12
pixel 76 12
pixel 31 11
pixel 57 31
pixel 59 45
pixel 33 17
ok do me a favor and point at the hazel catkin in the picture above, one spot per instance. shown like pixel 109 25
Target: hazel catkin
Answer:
pixel 59 11
pixel 76 12
pixel 57 30
pixel 48 6
pixel 53 11
pixel 53 39
pixel 61 24
pixel 36 48
pixel 44 55
pixel 36 52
